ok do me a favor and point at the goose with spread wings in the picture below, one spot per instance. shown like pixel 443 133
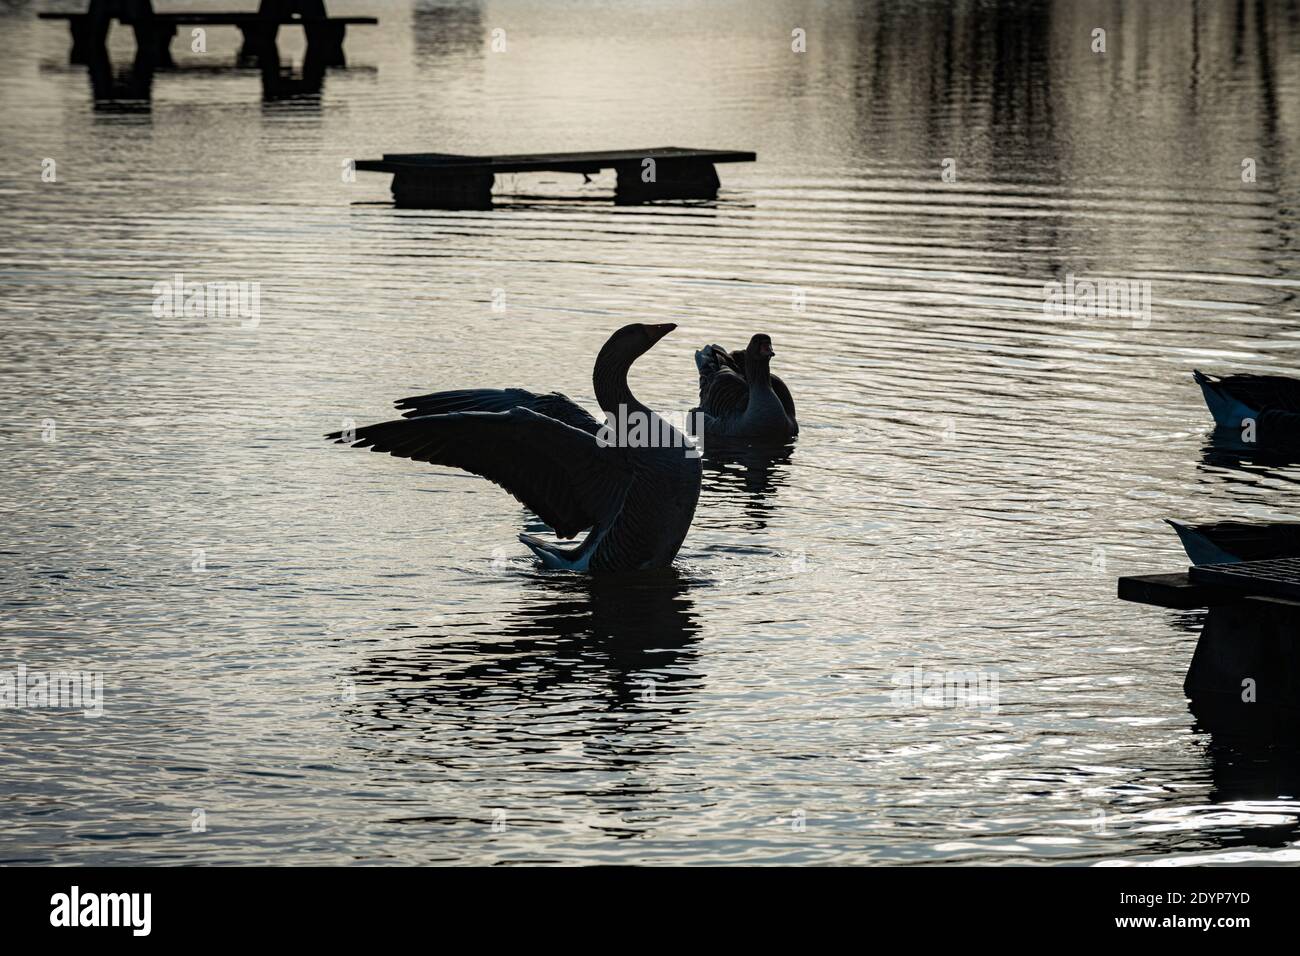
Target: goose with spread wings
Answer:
pixel 740 397
pixel 561 463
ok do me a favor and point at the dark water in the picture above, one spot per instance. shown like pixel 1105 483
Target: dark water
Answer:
pixel 370 668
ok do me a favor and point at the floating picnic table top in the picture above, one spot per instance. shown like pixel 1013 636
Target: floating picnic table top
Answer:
pixel 1206 585
pixel 592 162
pixel 1175 590
pixel 1271 577
pixel 455 181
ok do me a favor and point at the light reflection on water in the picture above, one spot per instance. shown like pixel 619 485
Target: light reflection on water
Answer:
pixel 371 669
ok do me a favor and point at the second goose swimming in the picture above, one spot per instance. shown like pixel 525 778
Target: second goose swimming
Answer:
pixel 739 395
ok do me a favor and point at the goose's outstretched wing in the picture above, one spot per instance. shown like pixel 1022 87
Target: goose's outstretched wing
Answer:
pixel 723 389
pixel 560 472
pixel 552 405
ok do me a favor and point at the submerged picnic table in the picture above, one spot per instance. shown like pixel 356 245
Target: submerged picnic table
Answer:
pixel 1247 659
pixel 154 30
pixel 451 181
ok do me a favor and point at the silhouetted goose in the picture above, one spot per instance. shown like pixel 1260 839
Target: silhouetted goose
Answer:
pixel 1271 402
pixel 739 395
pixel 1229 541
pixel 558 461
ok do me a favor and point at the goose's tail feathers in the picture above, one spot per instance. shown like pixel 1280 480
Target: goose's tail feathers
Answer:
pixel 1200 549
pixel 1228 412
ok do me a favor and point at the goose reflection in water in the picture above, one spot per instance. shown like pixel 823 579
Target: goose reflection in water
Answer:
pixel 626 641
pixel 753 475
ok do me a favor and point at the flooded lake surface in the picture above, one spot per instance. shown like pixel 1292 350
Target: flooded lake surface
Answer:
pixel 313 655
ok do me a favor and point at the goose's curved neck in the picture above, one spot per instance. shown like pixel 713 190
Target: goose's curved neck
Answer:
pixel 609 379
pixel 759 373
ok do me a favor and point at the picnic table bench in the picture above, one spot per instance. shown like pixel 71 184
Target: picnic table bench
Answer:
pixel 154 30
pixel 453 181
pixel 1247 658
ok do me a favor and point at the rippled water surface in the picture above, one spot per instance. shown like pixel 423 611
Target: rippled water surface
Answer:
pixel 370 668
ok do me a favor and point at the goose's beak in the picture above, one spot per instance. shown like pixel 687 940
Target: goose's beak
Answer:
pixel 657 332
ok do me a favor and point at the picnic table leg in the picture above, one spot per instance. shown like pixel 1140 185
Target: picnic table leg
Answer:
pixel 280 84
pixel 325 42
pixel 121 91
pixel 259 40
pixel 90 32
pixel 1246 668
pixel 424 189
pixel 652 178
pixel 89 36
pixel 153 40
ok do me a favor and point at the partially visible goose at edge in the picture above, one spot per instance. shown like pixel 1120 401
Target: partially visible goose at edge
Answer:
pixel 739 395
pixel 1226 542
pixel 543 449
pixel 1271 402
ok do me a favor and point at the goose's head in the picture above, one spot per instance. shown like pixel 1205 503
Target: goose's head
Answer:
pixel 631 342
pixel 642 338
pixel 759 351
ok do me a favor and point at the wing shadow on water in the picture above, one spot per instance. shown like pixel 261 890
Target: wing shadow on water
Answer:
pixel 749 474
pixel 577 656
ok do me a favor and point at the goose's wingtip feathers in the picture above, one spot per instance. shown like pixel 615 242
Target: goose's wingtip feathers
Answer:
pixel 538 547
pixel 534 542
pixel 557 558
